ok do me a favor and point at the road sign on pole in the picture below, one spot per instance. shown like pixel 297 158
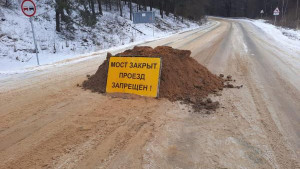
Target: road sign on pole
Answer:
pixel 261 13
pixel 28 8
pixel 276 13
pixel 143 17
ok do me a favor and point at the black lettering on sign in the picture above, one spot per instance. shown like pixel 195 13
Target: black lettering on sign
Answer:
pixel 119 64
pixel 134 76
pixel 143 65
pixel 136 87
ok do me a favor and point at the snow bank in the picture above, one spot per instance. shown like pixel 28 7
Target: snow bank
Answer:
pixel 287 37
pixel 287 40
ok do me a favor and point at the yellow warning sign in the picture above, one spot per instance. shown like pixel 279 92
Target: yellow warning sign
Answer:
pixel 134 75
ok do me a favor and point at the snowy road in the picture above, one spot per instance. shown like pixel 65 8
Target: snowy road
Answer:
pixel 48 122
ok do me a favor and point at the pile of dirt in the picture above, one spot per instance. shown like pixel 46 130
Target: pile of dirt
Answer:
pixel 182 77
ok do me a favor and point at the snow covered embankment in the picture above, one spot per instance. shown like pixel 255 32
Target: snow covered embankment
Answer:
pixel 286 40
pixel 111 31
pixel 288 37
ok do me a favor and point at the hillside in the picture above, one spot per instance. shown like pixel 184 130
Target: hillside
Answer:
pixel 111 30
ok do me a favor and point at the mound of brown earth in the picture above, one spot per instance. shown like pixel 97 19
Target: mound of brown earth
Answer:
pixel 182 77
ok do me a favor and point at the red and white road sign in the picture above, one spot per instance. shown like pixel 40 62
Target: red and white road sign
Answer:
pixel 28 8
pixel 276 12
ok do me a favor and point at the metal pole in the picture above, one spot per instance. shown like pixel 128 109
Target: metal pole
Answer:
pixel 153 22
pixel 36 49
pixel 153 29
pixel 275 21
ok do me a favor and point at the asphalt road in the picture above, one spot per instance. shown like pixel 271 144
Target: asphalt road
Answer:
pixel 48 122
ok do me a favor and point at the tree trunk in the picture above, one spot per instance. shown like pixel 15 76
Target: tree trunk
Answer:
pixel 130 8
pixel 297 15
pixel 287 3
pixel 121 10
pixel 151 5
pixel 266 12
pixel 246 8
pixel 282 9
pixel 161 9
pixel 93 7
pixel 109 2
pixel 166 7
pixel 173 3
pixel 228 6
pixel 57 15
pixel 145 5
pixel 100 7
pixel 297 9
pixel 106 5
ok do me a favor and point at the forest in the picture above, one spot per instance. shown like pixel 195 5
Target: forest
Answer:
pixel 190 9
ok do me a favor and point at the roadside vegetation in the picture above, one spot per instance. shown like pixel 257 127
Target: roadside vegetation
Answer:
pixel 191 9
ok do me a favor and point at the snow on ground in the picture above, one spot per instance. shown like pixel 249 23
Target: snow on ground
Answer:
pixel 287 40
pixel 111 31
pixel 288 37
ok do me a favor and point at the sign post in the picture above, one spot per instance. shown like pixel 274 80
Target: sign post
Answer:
pixel 35 44
pixel 29 9
pixel 153 17
pixel 276 13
